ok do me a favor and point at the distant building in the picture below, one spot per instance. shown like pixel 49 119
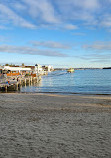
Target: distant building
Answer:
pixel 0 69
pixel 15 71
pixel 48 68
pixel 38 69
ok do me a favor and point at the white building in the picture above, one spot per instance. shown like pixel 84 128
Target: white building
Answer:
pixel 16 69
pixel 50 68
pixel 38 69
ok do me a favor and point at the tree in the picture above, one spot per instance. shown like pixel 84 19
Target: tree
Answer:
pixel 6 64
pixel 23 64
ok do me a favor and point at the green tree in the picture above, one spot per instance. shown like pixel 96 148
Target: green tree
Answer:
pixel 6 64
pixel 23 64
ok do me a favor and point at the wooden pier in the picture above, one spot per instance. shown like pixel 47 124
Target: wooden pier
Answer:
pixel 16 82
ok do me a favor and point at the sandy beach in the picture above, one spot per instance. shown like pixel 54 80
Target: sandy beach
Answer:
pixel 55 126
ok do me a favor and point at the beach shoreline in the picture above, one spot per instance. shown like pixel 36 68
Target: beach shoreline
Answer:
pixel 54 126
pixel 58 93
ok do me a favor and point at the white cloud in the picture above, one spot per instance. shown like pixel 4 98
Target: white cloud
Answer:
pixel 88 4
pixel 70 27
pixel 58 14
pixel 99 46
pixel 29 50
pixel 19 6
pixel 42 9
pixel 3 27
pixel 12 17
pixel 81 10
pixel 95 57
pixel 85 4
pixel 106 21
pixel 50 44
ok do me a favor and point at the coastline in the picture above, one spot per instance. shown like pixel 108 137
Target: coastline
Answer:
pixel 58 93
pixel 53 125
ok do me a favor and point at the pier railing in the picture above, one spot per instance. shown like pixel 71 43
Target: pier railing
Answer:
pixel 14 83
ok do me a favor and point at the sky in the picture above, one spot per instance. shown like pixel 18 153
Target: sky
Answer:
pixel 62 33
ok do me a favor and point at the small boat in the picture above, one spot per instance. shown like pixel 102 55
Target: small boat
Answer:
pixel 70 70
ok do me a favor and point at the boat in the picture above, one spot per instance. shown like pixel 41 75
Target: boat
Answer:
pixel 70 70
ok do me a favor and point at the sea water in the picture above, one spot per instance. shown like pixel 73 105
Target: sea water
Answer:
pixel 91 81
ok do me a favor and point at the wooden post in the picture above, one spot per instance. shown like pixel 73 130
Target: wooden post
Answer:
pixel 17 86
pixel 34 81
pixel 29 81
pixel 5 88
pixel 25 82
pixel 20 81
pixel 21 86
pixel 37 79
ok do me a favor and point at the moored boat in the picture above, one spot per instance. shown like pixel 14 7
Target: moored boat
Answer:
pixel 70 70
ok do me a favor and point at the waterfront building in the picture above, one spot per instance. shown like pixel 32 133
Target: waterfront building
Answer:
pixel 48 68
pixel 38 69
pixel 14 71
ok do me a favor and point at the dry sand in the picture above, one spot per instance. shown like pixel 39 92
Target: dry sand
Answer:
pixel 55 126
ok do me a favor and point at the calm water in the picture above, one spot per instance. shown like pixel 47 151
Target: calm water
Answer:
pixel 81 81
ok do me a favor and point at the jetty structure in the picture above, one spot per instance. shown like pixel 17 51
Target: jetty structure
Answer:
pixel 12 78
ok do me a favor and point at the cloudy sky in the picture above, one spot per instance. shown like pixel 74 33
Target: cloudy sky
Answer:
pixel 64 33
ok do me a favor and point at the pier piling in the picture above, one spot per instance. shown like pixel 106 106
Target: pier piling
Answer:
pixel 15 85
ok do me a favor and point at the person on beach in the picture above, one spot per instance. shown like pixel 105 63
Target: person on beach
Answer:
pixel 8 82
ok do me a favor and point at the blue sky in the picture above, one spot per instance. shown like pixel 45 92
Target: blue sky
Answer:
pixel 63 33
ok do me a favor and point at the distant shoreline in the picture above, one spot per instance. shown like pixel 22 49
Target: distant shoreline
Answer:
pixel 83 68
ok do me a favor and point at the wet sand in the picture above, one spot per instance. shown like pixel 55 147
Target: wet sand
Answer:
pixel 55 126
